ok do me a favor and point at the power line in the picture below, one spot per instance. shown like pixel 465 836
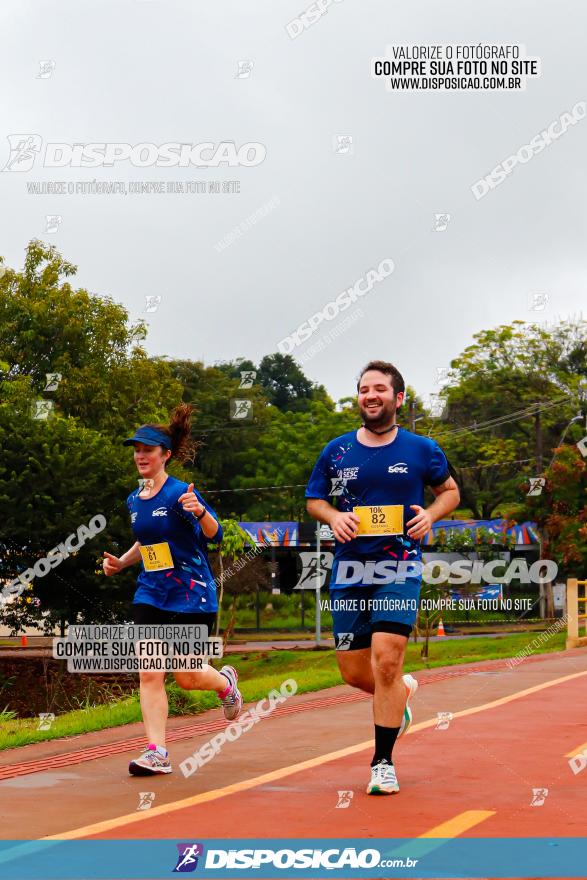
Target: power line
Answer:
pixel 258 488
pixel 475 467
pixel 515 416
pixel 528 411
pixel 303 485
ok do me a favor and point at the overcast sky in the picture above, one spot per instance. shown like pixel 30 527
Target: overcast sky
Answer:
pixel 159 71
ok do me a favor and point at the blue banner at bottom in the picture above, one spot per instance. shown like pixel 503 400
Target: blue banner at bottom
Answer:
pixel 285 858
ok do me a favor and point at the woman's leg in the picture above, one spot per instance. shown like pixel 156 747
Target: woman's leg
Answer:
pixel 154 706
pixel 206 679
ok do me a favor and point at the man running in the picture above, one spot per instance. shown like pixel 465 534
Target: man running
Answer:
pixel 377 475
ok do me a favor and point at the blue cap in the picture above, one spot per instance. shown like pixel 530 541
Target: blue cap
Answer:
pixel 150 437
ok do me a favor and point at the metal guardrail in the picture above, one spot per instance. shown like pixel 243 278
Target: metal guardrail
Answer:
pixel 574 639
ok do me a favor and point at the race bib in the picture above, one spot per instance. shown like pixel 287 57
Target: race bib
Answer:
pixel 386 519
pixel 156 557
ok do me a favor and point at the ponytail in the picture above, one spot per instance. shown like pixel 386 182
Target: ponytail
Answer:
pixel 179 430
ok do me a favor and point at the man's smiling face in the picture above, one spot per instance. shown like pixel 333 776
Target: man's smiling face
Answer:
pixel 377 400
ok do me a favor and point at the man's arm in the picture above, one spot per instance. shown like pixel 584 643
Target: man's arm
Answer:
pixel 446 500
pixel 344 525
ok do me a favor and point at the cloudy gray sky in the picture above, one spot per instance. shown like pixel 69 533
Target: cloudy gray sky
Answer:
pixel 159 71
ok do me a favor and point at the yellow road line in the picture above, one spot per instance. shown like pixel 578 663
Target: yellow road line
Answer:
pixel 246 784
pixel 459 823
pixel 576 751
pixel 431 840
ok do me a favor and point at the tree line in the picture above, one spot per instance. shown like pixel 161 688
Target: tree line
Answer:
pixel 508 402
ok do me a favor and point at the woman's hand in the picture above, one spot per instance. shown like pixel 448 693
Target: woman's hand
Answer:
pixel 190 503
pixel 112 564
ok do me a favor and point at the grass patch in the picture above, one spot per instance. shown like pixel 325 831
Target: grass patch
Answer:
pixel 284 611
pixel 259 672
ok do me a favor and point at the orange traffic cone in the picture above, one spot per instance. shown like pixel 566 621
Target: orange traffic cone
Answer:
pixel 441 631
pixel 23 641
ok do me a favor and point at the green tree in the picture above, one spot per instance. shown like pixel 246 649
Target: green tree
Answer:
pixel 286 385
pixel 561 512
pixel 222 439
pixel 284 457
pixel 46 326
pixel 234 541
pixel 55 476
pixel 517 383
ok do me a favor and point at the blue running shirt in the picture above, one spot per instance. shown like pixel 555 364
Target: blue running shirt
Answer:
pixel 350 474
pixel 188 586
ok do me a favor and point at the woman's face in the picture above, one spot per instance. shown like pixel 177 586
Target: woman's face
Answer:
pixel 150 460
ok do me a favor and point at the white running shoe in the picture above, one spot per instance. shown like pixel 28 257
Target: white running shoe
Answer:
pixel 383 779
pixel 150 763
pixel 411 688
pixel 232 703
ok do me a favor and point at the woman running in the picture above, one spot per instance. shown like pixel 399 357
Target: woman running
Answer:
pixel 175 584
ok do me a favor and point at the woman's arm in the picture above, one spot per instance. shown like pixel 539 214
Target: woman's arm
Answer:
pixel 191 504
pixel 208 524
pixel 132 555
pixel 114 564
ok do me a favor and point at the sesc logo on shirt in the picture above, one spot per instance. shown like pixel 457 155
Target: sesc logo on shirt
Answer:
pixel 161 511
pixel 399 468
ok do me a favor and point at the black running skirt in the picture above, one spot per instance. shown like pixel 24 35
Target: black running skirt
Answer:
pixel 143 613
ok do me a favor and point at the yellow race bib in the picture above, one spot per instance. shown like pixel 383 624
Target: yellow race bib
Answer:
pixel 156 557
pixel 384 519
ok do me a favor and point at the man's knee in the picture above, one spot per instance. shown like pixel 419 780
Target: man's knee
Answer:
pixel 387 665
pixel 355 668
pixel 357 678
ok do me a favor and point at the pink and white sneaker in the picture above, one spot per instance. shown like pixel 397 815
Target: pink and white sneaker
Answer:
pixel 231 698
pixel 151 763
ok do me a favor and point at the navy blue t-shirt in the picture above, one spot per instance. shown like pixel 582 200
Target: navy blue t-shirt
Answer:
pixel 350 474
pixel 188 586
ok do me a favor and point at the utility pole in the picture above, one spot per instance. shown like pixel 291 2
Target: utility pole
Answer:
pixel 543 592
pixel 318 584
pixel 412 415
pixel 538 433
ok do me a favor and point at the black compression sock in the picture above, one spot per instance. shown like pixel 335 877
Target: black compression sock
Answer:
pixel 385 738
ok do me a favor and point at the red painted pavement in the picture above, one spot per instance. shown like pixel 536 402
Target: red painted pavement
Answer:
pixel 65 758
pixel 491 760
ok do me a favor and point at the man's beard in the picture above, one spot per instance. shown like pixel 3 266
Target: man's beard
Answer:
pixel 385 418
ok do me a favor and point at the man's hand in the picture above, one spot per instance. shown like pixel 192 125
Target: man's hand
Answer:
pixel 111 564
pixel 421 524
pixel 190 502
pixel 344 526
